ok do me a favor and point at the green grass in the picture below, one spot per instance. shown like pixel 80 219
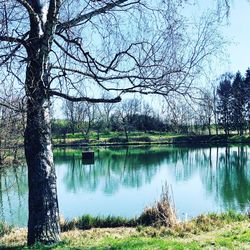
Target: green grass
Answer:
pixel 118 136
pixel 111 243
pixel 228 230
pixel 153 137
pixel 88 222
pixel 234 235
pixel 136 243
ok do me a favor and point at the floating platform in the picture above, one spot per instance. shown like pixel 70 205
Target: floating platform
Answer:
pixel 88 157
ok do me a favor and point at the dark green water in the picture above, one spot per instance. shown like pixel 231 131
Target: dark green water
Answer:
pixel 123 181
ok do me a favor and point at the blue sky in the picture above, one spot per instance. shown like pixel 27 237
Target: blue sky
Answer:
pixel 238 32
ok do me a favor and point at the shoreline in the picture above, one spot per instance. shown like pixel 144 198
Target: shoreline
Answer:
pixel 179 140
pixel 215 140
pixel 214 231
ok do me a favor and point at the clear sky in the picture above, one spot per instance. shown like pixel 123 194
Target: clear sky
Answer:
pixel 238 32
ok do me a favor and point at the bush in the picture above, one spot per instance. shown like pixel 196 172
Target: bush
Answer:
pixel 162 213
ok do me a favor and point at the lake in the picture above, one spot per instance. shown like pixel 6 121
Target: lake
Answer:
pixel 123 181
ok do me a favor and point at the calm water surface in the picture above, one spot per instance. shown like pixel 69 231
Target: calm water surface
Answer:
pixel 123 181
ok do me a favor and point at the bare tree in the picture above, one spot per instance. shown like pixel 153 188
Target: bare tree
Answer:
pixel 69 48
pixel 214 105
pixel 106 109
pixel 206 110
pixel 80 116
pixel 88 117
pixel 147 111
pixel 126 112
pixel 179 114
pixel 12 126
pixel 70 111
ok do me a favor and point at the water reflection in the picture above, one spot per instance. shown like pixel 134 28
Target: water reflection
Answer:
pixel 131 168
pixel 122 181
pixel 13 195
pixel 223 171
pixel 230 181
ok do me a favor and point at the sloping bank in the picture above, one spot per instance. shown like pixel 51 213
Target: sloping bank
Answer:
pixel 225 231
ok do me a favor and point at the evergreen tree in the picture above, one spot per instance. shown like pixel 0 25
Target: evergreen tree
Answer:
pixel 224 107
pixel 247 92
pixel 239 102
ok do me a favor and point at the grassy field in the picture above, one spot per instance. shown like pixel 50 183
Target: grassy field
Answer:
pixel 116 137
pixel 232 236
pixel 226 231
pixel 113 138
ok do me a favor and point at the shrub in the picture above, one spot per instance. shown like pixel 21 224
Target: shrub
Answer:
pixel 161 213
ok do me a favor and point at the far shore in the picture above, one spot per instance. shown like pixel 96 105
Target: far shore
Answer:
pixel 185 140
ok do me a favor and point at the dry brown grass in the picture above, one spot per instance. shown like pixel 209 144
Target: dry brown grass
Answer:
pixel 162 213
pixel 234 235
pixel 16 237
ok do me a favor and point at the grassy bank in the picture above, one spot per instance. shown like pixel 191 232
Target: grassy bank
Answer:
pixel 138 138
pixel 225 231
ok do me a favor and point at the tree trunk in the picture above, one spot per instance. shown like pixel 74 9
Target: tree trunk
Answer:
pixel 43 222
pixel 209 126
pixel 98 134
pixel 126 133
pixel 216 128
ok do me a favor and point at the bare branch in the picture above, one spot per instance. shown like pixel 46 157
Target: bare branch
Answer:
pixel 12 107
pixel 27 6
pixel 77 20
pixel 85 99
pixel 12 39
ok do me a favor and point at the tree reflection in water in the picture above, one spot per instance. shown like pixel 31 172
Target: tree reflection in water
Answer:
pixel 112 168
pixel 13 195
pixel 223 170
pixel 224 173
pixel 230 178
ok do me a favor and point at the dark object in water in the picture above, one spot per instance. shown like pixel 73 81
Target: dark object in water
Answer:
pixel 88 157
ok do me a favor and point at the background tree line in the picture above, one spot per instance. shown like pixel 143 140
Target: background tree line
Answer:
pixel 224 107
pixel 130 115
